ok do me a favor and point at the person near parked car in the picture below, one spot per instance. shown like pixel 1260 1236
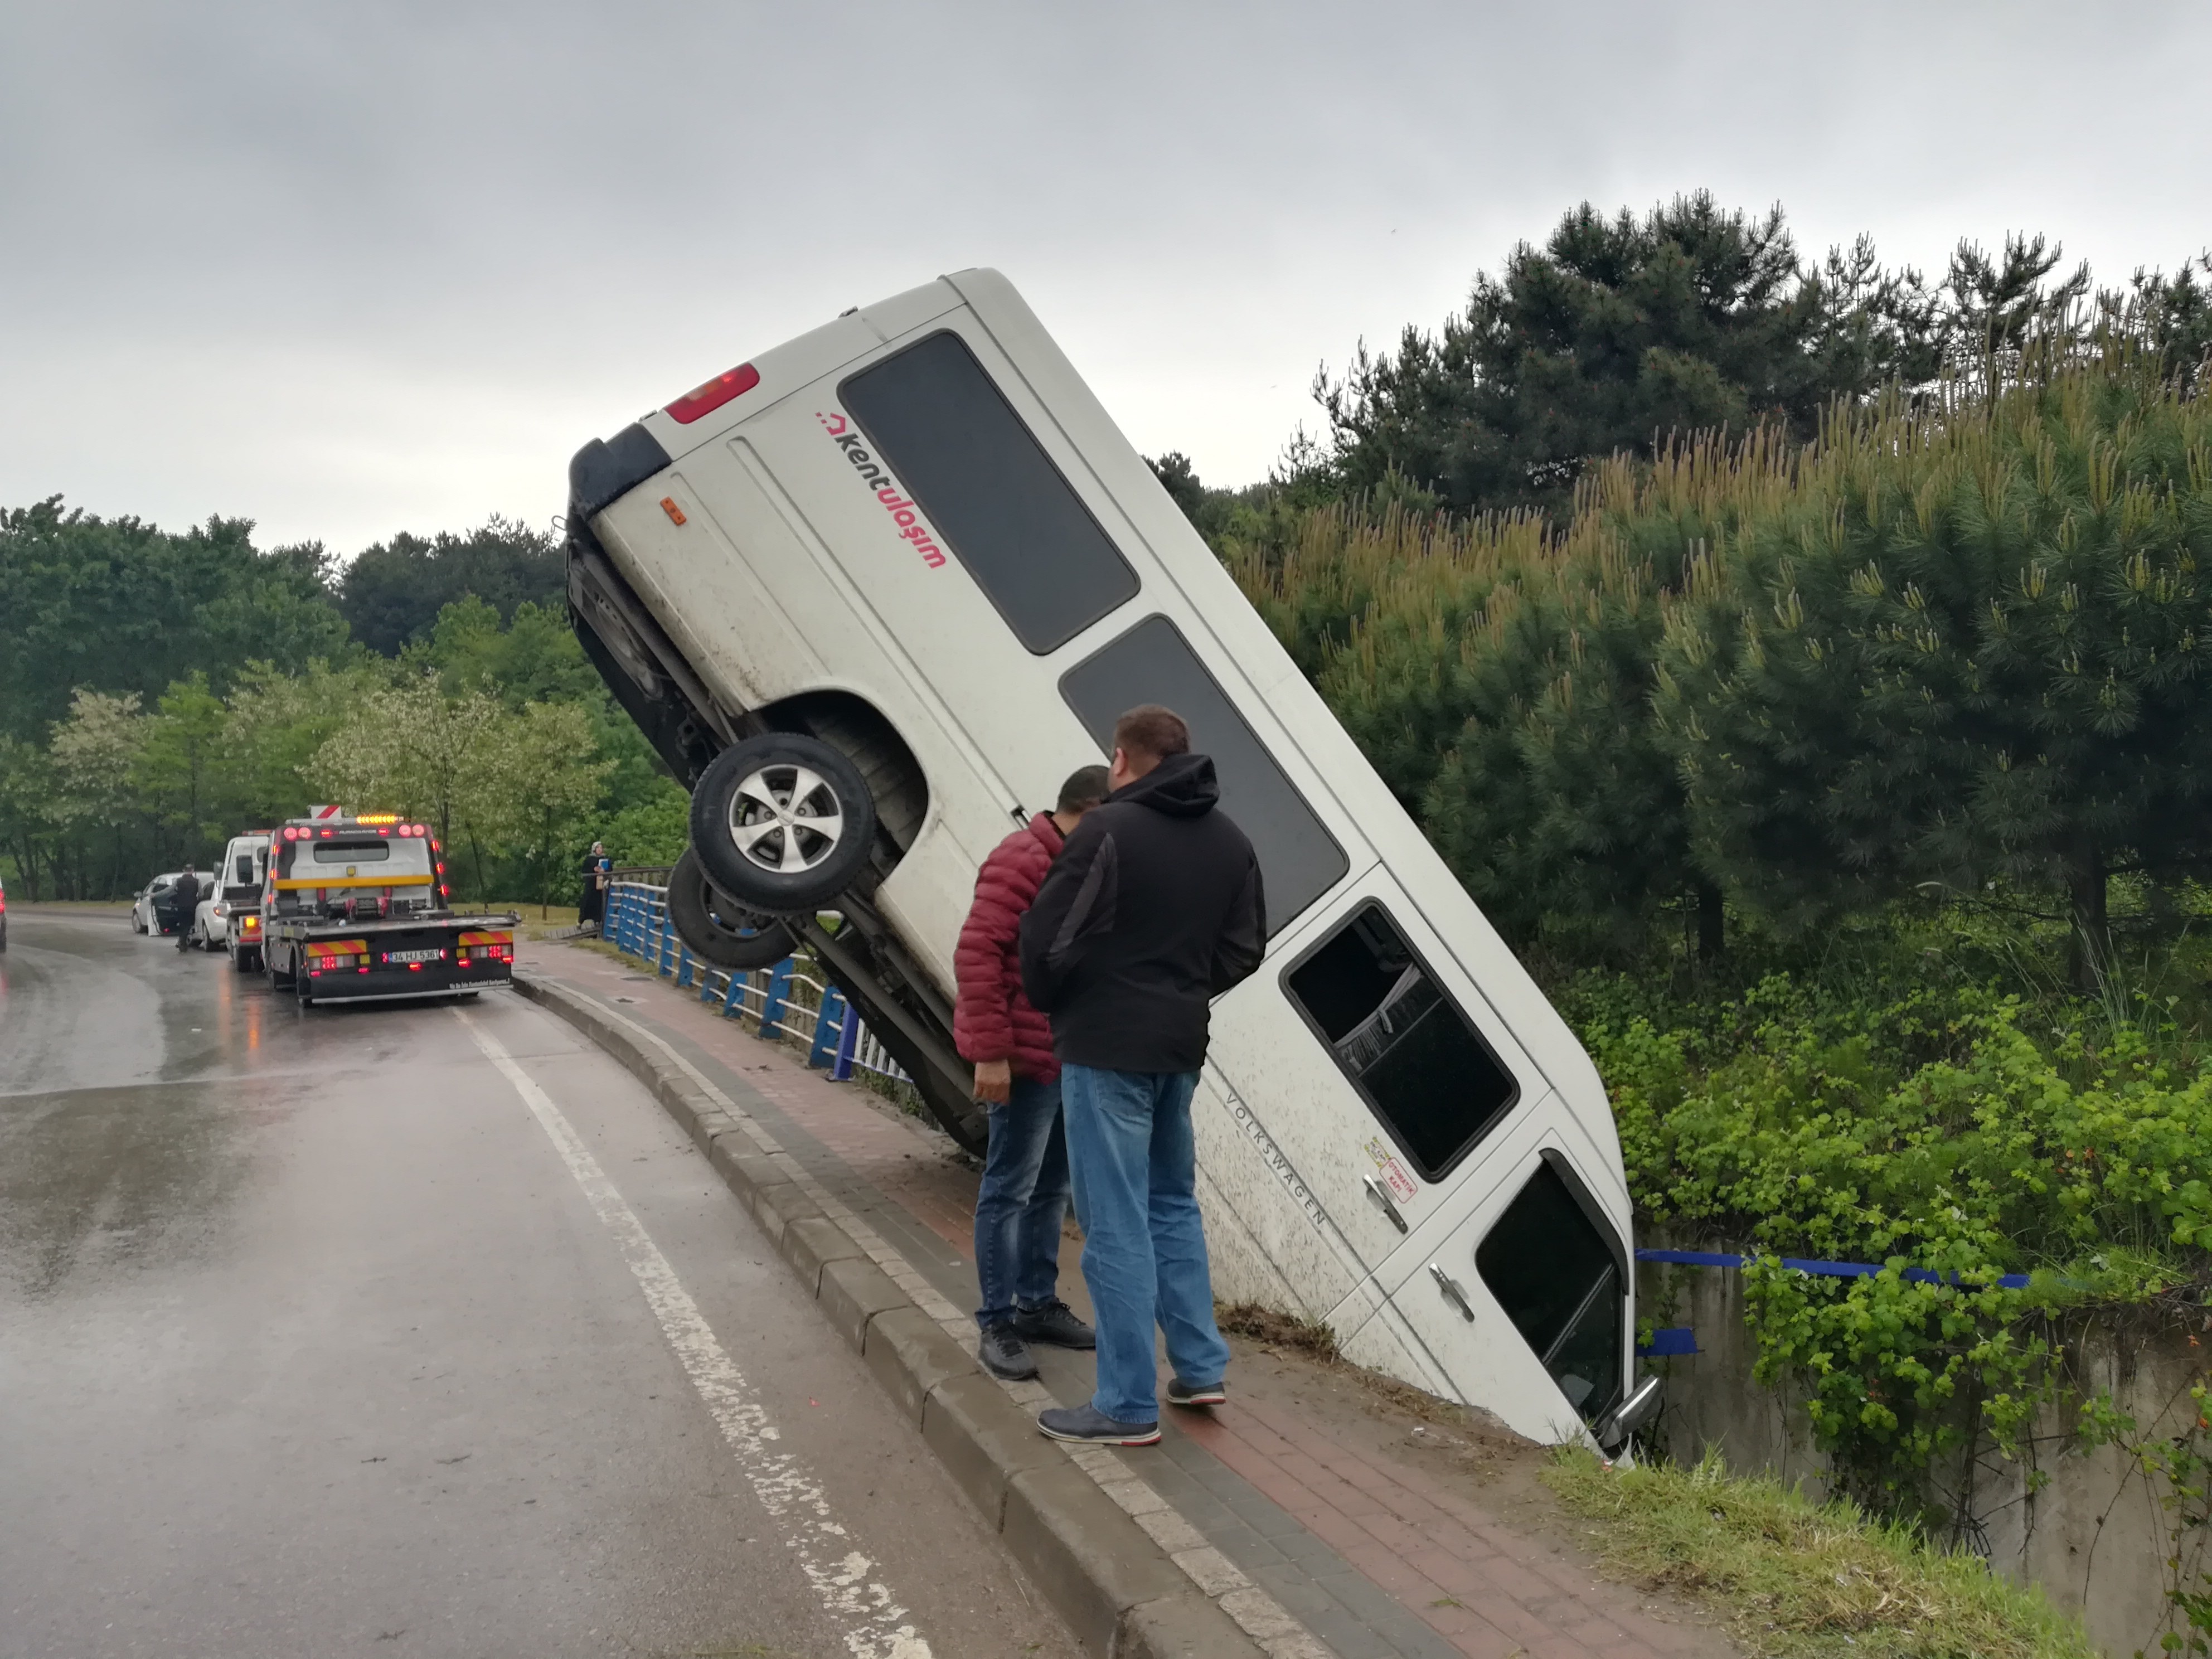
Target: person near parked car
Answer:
pixel 1154 908
pixel 1022 1202
pixel 187 894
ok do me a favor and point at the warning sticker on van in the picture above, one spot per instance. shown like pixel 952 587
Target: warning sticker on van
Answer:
pixel 878 481
pixel 1395 1176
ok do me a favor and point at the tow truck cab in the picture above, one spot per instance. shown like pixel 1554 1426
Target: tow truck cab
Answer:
pixel 356 909
pixel 232 907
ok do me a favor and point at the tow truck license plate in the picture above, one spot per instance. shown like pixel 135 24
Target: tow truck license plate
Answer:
pixel 413 955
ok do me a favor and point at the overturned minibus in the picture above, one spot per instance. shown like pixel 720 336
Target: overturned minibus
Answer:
pixel 871 595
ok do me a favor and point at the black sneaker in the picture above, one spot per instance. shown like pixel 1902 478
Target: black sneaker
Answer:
pixel 1004 1355
pixel 1181 1393
pixel 1055 1325
pixel 1086 1426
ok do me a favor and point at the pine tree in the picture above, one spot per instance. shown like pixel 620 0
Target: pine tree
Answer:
pixel 1971 645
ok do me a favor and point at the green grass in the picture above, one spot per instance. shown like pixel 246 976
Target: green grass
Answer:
pixel 1795 1579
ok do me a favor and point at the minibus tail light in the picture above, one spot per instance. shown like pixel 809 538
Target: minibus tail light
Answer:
pixel 705 400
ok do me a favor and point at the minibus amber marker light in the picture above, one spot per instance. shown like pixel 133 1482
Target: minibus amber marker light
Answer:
pixel 705 400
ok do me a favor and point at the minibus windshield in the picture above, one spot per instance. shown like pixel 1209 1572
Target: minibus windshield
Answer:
pixel 1558 1281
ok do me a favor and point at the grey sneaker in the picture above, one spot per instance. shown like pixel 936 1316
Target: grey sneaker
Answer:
pixel 1004 1355
pixel 1055 1325
pixel 1181 1393
pixel 1087 1425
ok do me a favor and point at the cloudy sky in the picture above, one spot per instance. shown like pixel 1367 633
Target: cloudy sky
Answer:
pixel 350 270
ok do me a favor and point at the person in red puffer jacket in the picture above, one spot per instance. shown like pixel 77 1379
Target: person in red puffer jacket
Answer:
pixel 1022 1200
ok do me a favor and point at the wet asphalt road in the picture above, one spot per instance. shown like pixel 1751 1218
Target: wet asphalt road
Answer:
pixel 311 1342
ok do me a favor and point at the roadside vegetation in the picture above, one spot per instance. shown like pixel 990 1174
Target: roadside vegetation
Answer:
pixel 1793 1579
pixel 160 692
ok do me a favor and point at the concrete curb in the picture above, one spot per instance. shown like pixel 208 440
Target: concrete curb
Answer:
pixel 1119 1591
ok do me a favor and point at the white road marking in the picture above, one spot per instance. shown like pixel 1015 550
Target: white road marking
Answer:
pixel 862 1606
pixel 1257 1613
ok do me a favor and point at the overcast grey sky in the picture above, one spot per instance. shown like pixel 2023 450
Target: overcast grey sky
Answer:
pixel 351 269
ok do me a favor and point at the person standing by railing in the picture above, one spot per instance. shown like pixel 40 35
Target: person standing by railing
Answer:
pixel 591 902
pixel 1022 1202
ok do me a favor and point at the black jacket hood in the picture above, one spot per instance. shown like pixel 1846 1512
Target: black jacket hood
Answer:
pixel 1181 786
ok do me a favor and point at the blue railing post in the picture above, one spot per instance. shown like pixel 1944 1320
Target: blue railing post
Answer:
pixel 848 1044
pixel 733 1000
pixel 779 990
pixel 683 963
pixel 819 1052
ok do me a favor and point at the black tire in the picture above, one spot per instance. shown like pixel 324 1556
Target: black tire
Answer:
pixel 718 930
pixel 242 960
pixel 803 814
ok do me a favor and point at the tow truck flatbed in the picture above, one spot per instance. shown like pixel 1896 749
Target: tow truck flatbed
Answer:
pixel 336 960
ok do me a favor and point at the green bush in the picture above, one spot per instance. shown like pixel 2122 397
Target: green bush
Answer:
pixel 1910 1116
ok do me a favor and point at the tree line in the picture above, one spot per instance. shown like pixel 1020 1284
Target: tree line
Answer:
pixel 160 692
pixel 1677 580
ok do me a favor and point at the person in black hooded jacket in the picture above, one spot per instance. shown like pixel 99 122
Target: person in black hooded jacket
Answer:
pixel 1153 908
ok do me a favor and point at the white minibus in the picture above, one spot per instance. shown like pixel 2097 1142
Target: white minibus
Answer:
pixel 872 595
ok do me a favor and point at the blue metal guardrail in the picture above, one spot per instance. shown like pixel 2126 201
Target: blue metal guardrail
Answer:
pixel 636 923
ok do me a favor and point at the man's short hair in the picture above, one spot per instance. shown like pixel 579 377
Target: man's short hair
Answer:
pixel 1084 788
pixel 1149 729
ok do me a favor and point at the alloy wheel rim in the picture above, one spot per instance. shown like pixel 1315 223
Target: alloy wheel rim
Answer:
pixel 786 819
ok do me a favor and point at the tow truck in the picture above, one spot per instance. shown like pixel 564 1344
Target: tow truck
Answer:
pixel 355 907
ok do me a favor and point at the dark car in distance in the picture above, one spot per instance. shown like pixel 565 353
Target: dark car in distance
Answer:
pixel 158 908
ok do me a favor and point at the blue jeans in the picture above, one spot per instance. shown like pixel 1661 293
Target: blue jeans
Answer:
pixel 1021 1203
pixel 1144 1246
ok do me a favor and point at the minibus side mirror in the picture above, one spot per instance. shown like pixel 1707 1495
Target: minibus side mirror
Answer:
pixel 1614 1428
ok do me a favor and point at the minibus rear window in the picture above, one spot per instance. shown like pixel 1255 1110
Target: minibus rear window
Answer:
pixel 1551 1270
pixel 955 444
pixel 1299 859
pixel 1422 1068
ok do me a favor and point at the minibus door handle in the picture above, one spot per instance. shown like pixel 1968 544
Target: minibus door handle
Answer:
pixel 1374 1190
pixel 1453 1293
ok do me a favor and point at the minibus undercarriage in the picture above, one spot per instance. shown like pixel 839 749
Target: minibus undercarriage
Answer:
pixel 688 728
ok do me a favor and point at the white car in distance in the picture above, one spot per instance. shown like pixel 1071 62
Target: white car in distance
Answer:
pixel 229 915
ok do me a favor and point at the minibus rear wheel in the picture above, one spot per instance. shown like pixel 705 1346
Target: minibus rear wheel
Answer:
pixel 782 823
pixel 719 931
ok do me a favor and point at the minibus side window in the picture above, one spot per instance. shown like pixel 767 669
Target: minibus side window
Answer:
pixel 1422 1069
pixel 954 442
pixel 1551 1270
pixel 1299 859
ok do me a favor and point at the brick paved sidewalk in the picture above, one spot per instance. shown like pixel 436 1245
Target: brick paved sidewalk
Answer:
pixel 1378 1558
